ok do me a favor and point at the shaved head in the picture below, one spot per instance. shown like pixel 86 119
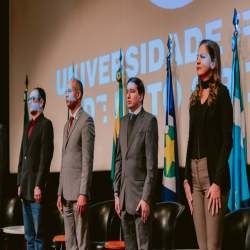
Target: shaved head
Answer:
pixel 78 86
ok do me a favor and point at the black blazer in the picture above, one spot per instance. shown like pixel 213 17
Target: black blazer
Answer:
pixel 35 158
pixel 218 125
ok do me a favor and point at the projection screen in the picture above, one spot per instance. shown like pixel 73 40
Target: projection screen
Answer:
pixel 48 37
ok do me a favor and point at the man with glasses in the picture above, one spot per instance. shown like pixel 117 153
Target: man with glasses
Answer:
pixel 36 153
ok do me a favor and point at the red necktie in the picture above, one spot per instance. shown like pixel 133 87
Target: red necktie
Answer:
pixel 70 124
pixel 31 129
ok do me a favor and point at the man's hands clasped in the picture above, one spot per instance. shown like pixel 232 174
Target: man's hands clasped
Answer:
pixel 80 206
pixel 38 194
pixel 145 208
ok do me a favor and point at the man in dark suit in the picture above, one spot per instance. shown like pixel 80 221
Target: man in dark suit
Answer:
pixel 33 170
pixel 136 169
pixel 74 192
pixel 3 163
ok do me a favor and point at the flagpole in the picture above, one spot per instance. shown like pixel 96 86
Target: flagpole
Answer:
pixel 25 98
pixel 169 55
pixel 234 47
pixel 239 193
pixel 118 115
pixel 170 180
pixel 120 86
pixel 168 64
pixel 73 76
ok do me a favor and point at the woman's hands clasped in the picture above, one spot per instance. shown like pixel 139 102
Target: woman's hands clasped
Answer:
pixel 215 201
pixel 188 195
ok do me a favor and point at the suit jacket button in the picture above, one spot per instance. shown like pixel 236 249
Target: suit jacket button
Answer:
pixel 126 158
pixel 25 157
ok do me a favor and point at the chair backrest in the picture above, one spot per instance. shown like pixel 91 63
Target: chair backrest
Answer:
pixel 55 223
pixel 12 212
pixel 100 216
pixel 184 232
pixel 237 230
pixel 165 216
pixel 11 215
pixel 115 227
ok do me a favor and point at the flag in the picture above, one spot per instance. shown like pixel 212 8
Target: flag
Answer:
pixel 119 112
pixel 170 182
pixel 26 111
pixel 237 161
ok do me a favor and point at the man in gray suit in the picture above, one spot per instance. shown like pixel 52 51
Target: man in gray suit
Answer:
pixel 136 169
pixel 74 192
pixel 3 163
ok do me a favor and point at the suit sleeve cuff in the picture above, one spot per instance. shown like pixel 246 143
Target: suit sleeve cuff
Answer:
pixel 146 198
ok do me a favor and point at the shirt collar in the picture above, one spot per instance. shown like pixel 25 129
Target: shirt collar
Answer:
pixel 74 115
pixel 136 112
pixel 34 121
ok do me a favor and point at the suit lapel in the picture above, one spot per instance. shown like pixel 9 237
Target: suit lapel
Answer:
pixel 65 132
pixel 125 131
pixel 73 125
pixel 25 135
pixel 34 131
pixel 137 125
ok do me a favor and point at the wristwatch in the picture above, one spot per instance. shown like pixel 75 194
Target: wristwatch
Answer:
pixel 116 194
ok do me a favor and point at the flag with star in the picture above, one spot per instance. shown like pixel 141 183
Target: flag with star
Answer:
pixel 119 112
pixel 239 193
pixel 25 100
pixel 170 182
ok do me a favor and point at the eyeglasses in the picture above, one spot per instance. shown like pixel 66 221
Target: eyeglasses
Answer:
pixel 33 98
pixel 67 91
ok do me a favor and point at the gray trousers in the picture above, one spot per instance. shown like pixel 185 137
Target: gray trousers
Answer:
pixel 137 234
pixel 76 227
pixel 209 229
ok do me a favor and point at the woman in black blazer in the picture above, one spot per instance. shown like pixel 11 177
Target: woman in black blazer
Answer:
pixel 207 176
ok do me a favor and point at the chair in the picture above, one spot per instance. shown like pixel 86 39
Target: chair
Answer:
pixel 237 230
pixel 12 216
pixel 12 212
pixel 104 225
pixel 165 217
pixel 184 232
pixel 115 227
pixel 55 226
